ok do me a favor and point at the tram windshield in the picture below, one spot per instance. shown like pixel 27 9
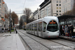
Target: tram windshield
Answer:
pixel 52 26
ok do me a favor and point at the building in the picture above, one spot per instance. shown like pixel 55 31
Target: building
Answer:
pixel 61 6
pixel 53 8
pixel 23 17
pixel 4 21
pixel 45 8
pixel 23 21
pixel 56 7
pixel 36 15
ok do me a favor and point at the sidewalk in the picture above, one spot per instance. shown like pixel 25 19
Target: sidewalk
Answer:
pixel 10 42
pixel 68 38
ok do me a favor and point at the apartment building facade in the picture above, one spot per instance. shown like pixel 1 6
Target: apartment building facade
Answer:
pixel 61 6
pixel 37 14
pixel 4 21
pixel 54 8
pixel 45 8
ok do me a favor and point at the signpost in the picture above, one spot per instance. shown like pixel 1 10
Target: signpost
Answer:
pixel 10 21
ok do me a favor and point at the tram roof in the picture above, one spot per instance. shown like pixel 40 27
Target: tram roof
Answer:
pixel 66 16
pixel 46 17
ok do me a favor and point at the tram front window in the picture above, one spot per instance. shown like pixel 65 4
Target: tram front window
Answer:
pixel 52 26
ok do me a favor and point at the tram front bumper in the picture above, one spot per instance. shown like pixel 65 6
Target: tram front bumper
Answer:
pixel 51 34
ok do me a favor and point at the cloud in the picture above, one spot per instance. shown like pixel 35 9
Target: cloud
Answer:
pixel 19 5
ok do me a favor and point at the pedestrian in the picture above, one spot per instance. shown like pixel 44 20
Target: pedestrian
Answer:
pixel 16 31
pixel 74 31
pixel 2 30
pixel 66 30
pixel 71 30
pixel 63 30
pixel 60 29
pixel 10 31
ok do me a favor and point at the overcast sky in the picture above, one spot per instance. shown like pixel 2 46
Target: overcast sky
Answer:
pixel 19 5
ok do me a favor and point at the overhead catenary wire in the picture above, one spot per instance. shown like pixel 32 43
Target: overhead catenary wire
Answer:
pixel 23 6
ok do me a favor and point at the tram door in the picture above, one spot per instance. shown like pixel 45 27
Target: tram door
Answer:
pixel 40 29
pixel 35 28
pixel 43 28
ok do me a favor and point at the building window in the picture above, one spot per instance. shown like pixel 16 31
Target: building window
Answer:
pixel 59 10
pixel 59 4
pixel 57 1
pixel 59 14
pixel 56 4
pixel 59 7
pixel 56 14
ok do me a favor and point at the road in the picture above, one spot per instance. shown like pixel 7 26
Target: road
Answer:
pixel 37 43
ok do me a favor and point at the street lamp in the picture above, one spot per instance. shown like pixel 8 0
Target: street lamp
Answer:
pixel 10 21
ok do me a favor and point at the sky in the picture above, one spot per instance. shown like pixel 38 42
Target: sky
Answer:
pixel 19 5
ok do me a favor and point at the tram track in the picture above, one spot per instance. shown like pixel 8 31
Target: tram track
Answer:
pixel 34 40
pixel 25 42
pixel 60 43
pixel 48 40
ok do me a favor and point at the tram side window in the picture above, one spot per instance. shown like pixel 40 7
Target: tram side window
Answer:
pixel 26 27
pixel 29 28
pixel 32 27
pixel 35 27
pixel 40 26
pixel 44 26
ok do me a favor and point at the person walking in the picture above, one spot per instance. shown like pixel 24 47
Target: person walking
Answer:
pixel 66 30
pixel 2 30
pixel 71 30
pixel 60 29
pixel 63 30
pixel 16 30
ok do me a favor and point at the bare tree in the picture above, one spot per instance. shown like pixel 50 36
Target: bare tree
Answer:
pixel 68 13
pixel 73 10
pixel 14 18
pixel 27 12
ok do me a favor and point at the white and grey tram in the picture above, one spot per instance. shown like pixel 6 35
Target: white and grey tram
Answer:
pixel 47 27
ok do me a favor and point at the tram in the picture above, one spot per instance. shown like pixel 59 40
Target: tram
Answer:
pixel 47 27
